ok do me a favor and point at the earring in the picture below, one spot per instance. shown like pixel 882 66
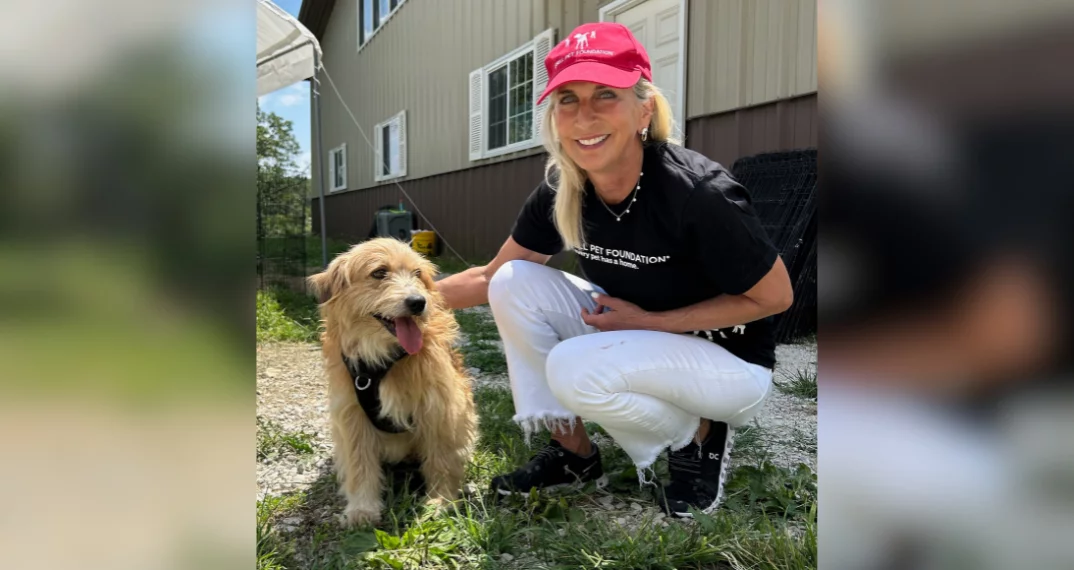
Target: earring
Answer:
pixel 645 134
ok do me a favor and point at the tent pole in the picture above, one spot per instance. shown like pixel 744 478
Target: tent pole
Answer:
pixel 315 90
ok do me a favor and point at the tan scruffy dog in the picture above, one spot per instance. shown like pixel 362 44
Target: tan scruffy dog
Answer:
pixel 387 332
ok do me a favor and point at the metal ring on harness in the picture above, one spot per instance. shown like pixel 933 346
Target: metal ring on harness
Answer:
pixel 368 382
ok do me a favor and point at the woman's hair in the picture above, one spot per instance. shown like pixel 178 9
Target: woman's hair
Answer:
pixel 568 180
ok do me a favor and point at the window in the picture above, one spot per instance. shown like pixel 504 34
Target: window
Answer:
pixel 390 155
pixel 503 117
pixel 510 102
pixel 337 167
pixel 372 14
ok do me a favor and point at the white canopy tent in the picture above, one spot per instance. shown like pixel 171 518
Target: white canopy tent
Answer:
pixel 287 53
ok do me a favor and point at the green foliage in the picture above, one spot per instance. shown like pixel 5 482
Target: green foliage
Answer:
pixel 284 315
pixel 274 441
pixel 481 351
pixel 802 384
pixel 281 189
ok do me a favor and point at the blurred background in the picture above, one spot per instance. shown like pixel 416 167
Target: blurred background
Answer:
pixel 946 413
pixel 126 284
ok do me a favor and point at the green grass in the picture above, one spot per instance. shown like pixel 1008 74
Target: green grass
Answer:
pixel 481 351
pixel 274 441
pixel 285 315
pixel 769 521
pixel 801 383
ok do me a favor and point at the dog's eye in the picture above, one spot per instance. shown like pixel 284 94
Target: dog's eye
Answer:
pixel 380 274
pixel 417 273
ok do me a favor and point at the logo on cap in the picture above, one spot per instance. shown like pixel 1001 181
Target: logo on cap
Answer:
pixel 581 41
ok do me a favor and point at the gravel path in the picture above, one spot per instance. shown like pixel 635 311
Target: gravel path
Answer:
pixel 291 397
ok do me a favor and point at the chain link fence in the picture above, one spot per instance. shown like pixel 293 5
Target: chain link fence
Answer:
pixel 283 235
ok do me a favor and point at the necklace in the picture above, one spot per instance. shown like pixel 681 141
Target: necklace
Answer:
pixel 633 193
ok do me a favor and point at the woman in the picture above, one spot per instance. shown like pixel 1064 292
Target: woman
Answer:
pixel 668 345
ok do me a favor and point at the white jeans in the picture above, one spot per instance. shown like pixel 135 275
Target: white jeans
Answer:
pixel 647 389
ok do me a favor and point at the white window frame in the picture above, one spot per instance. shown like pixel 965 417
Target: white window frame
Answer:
pixel 332 167
pixel 539 47
pixel 378 134
pixel 383 20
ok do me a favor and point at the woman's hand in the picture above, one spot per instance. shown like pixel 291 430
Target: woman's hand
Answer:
pixel 623 315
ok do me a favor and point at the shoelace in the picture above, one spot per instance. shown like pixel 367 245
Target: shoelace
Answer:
pixel 686 460
pixel 546 453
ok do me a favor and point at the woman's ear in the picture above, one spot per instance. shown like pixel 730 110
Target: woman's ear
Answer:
pixel 646 114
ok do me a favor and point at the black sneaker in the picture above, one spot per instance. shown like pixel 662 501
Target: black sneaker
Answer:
pixel 552 467
pixel 698 474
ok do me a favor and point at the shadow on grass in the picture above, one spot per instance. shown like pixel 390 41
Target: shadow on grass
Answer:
pixel 308 524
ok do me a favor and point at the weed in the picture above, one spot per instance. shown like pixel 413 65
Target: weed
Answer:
pixel 273 441
pixel 284 315
pixel 802 384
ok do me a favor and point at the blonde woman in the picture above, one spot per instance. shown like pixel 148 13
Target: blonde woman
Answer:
pixel 668 344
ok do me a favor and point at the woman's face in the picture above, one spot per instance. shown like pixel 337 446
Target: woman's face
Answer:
pixel 597 124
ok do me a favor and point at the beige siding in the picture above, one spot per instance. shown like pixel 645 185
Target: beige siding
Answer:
pixel 747 52
pixel 419 61
pixel 565 15
pixel 740 53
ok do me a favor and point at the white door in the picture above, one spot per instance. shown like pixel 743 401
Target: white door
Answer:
pixel 658 26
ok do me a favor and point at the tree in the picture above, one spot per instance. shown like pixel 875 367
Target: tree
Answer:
pixel 281 189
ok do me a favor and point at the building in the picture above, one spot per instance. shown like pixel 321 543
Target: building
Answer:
pixel 444 91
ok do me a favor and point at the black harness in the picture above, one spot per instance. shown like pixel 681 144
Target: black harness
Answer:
pixel 367 380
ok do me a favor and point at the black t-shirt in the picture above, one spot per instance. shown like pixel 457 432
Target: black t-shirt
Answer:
pixel 691 235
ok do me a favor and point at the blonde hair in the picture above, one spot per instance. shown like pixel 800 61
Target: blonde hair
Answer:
pixel 570 179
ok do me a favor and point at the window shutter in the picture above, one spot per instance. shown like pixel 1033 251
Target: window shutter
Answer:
pixel 378 152
pixel 343 176
pixel 331 169
pixel 542 44
pixel 477 99
pixel 402 144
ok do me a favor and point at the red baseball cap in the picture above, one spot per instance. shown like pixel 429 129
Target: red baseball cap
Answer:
pixel 601 52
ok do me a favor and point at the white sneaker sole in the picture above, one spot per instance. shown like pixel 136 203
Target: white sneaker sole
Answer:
pixel 688 515
pixel 602 482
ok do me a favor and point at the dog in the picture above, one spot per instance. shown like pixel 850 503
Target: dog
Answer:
pixel 382 316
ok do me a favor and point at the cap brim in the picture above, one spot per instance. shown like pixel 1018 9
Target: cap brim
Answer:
pixel 601 73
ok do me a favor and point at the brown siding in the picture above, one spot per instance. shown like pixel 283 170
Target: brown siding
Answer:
pixel 475 208
pixel 783 125
pixel 472 209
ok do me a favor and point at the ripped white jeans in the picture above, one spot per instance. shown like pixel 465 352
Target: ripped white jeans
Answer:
pixel 647 389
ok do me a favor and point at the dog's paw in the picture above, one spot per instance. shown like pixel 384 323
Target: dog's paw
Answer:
pixel 361 516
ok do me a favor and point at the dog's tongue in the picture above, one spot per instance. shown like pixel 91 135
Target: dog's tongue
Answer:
pixel 406 330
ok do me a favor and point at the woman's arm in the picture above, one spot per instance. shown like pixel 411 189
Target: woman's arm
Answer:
pixel 471 287
pixel 771 295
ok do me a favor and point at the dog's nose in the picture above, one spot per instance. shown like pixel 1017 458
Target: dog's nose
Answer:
pixel 416 304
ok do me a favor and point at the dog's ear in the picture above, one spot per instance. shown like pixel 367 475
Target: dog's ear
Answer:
pixel 326 284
